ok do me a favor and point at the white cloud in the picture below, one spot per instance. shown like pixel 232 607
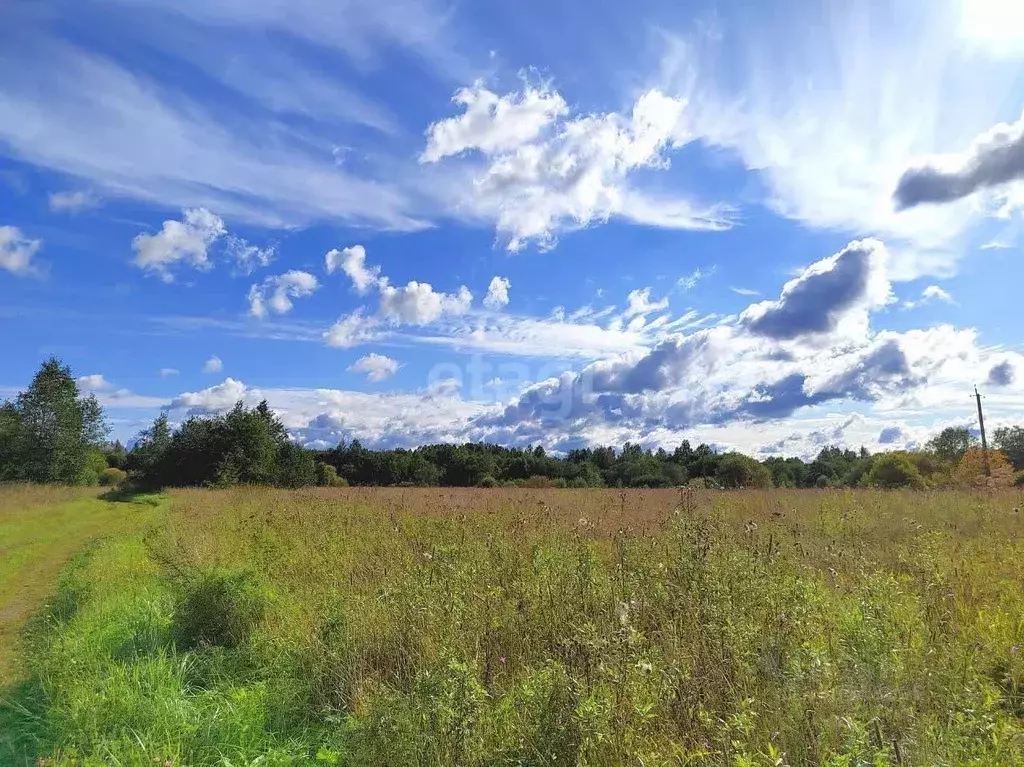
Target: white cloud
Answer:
pixel 94 382
pixel 935 293
pixel 216 399
pixel 831 120
pixel 17 251
pixel 419 304
pixel 185 241
pixel 276 294
pixel 376 367
pixel 324 416
pixel 689 281
pixel 133 134
pixel 352 330
pixel 740 291
pixel 213 365
pixel 352 261
pixel 639 303
pixel 168 372
pixel 491 123
pixel 73 202
pixel 550 172
pixel 930 295
pixel 248 257
pixel 497 293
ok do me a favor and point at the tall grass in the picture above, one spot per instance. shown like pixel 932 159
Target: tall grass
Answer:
pixel 410 627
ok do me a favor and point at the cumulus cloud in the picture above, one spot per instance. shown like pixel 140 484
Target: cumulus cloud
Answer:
pixel 1002 374
pixel 276 294
pixel 545 172
pixel 352 261
pixel 213 365
pixel 248 257
pixel 994 158
pixel 376 367
pixel 186 242
pixel 931 294
pixel 417 303
pixel 491 123
pixel 17 251
pixel 836 290
pixel 352 330
pixel 95 382
pixel 497 293
pixel 215 399
pixel 74 202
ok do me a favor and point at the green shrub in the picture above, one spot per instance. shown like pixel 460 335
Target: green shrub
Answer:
pixel 327 476
pixel 488 481
pixel 736 470
pixel 895 471
pixel 112 477
pixel 1018 479
pixel 217 609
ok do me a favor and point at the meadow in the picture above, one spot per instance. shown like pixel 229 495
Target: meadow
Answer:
pixel 359 626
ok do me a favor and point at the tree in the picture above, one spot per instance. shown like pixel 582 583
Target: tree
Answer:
pixel 738 470
pixel 970 470
pixel 952 442
pixel 146 461
pixel 52 429
pixel 894 470
pixel 1010 439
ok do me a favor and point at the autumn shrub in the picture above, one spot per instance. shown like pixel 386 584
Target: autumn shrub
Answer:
pixel 970 471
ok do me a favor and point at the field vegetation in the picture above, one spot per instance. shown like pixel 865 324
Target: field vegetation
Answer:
pixel 402 626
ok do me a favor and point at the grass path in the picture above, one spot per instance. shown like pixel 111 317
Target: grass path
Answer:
pixel 40 531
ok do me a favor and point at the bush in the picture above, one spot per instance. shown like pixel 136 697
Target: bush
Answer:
pixel 895 471
pixel 1018 479
pixel 112 477
pixel 737 470
pixel 217 609
pixel 327 476
pixel 488 481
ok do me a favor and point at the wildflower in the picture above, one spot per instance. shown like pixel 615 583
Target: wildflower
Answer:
pixel 1014 650
pixel 644 666
pixel 501 660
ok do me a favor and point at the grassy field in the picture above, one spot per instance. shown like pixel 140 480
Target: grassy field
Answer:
pixel 526 627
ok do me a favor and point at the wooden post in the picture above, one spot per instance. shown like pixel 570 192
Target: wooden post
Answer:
pixel 984 442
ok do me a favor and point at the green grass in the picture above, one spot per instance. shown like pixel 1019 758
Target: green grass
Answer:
pixel 406 627
pixel 41 528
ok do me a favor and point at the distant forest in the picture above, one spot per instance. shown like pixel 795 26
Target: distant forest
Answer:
pixel 52 433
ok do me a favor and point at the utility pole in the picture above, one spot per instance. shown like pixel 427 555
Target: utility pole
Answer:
pixel 984 442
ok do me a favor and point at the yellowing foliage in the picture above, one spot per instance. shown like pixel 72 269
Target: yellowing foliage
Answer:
pixel 970 471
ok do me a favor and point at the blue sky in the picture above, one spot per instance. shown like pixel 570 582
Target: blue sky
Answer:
pixel 558 223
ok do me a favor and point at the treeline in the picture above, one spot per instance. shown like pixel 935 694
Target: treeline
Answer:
pixel 51 433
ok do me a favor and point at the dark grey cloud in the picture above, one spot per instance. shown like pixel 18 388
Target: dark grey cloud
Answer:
pixel 994 158
pixel 1002 374
pixel 817 300
pixel 891 435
